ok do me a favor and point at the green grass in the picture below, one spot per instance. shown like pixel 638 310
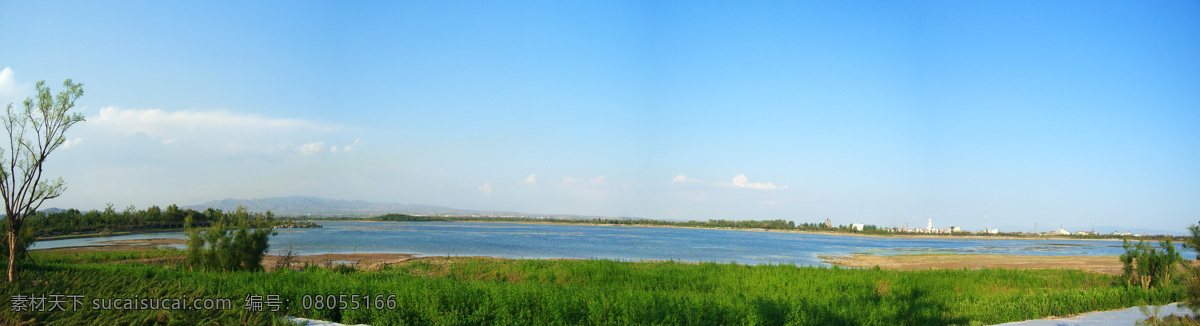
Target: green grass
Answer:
pixel 473 291
pixel 42 256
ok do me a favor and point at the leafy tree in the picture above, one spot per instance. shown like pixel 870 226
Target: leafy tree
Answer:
pixel 24 240
pixel 33 133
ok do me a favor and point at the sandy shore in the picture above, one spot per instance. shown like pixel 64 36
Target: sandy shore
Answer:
pixel 365 261
pixel 83 249
pixel 1100 264
pixel 949 237
pixel 158 241
pixel 97 235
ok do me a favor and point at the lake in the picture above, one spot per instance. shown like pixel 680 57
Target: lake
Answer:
pixel 516 240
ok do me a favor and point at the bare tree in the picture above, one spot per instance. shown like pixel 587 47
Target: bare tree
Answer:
pixel 32 135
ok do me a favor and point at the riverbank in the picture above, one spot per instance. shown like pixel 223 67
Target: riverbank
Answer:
pixel 851 234
pixel 1110 265
pixel 583 241
pixel 373 261
pixel 476 290
pixel 104 234
pixel 281 259
pixel 534 222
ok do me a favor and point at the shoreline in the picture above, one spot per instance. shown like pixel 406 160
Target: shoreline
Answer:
pixel 444 267
pixel 897 235
pixel 100 235
pixel 1107 264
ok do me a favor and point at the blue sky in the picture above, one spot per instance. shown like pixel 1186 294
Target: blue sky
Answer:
pixel 1072 113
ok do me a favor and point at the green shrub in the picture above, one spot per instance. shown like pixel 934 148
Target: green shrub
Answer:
pixel 228 245
pixel 1192 276
pixel 1147 266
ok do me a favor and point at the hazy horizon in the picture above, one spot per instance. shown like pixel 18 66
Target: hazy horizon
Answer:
pixel 883 113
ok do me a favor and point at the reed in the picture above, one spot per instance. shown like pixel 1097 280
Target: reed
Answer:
pixel 472 291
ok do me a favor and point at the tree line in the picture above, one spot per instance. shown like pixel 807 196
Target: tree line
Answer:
pixel 66 222
pixel 778 224
pixel 749 224
pixel 225 241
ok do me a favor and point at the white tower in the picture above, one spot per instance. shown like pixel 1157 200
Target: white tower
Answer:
pixel 985 225
pixel 930 227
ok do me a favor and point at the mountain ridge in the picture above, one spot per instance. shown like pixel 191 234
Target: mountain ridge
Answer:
pixel 316 206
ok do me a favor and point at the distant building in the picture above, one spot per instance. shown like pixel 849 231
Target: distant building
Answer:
pixel 1085 233
pixel 992 231
pixel 1060 232
pixel 857 226
pixel 953 229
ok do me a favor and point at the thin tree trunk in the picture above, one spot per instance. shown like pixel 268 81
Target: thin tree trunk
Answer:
pixel 12 256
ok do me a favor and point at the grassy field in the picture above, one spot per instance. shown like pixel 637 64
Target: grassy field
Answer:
pixel 473 291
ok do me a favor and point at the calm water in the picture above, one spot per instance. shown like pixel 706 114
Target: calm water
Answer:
pixel 621 243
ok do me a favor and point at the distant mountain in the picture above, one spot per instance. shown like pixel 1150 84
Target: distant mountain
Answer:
pixel 305 205
pixel 52 210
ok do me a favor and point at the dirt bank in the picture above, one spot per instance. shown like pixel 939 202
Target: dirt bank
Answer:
pixel 372 261
pixel 1099 264
pixel 157 241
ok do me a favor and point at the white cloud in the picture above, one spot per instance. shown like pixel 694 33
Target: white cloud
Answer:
pixel 740 181
pixel 222 131
pixel 485 189
pixel 8 84
pixel 351 147
pixel 532 179
pixel 682 178
pixel 594 181
pixel 71 142
pixel 10 91
pixel 311 148
pixel 159 123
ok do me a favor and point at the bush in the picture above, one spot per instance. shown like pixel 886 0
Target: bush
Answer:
pixel 1147 266
pixel 227 245
pixel 1192 295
